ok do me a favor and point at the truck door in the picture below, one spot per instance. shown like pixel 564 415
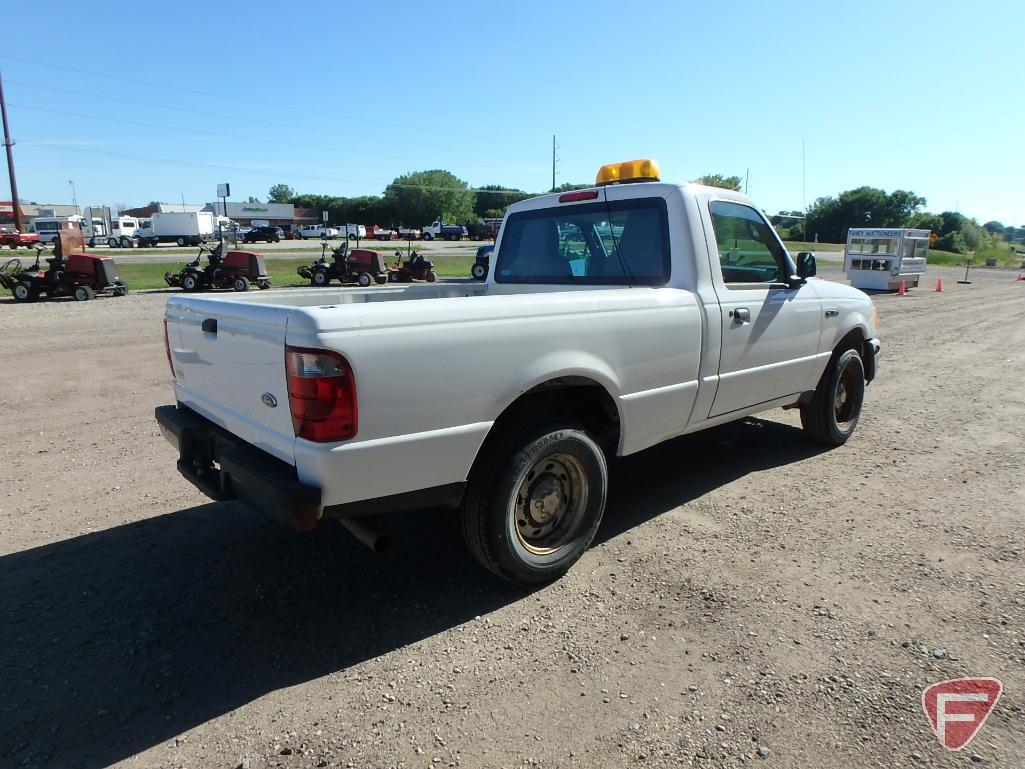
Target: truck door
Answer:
pixel 770 331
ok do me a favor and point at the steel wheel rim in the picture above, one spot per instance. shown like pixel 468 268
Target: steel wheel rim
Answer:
pixel 550 501
pixel 845 404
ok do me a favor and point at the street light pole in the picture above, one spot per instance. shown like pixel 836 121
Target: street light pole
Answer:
pixel 74 197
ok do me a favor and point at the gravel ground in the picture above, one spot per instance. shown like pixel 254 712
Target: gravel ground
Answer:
pixel 751 600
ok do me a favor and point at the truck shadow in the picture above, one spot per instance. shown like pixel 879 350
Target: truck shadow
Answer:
pixel 117 641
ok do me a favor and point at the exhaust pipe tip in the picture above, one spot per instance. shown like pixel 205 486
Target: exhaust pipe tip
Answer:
pixel 367 534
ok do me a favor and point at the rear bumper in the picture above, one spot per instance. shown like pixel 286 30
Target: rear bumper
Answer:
pixel 225 467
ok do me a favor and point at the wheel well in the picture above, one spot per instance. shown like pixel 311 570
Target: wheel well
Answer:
pixel 853 340
pixel 578 398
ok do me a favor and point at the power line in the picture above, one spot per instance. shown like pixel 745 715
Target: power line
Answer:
pixel 250 169
pixel 223 116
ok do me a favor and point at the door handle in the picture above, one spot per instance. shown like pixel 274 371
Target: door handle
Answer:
pixel 741 315
pixel 832 313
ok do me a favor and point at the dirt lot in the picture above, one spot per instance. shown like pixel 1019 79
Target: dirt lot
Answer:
pixel 751 600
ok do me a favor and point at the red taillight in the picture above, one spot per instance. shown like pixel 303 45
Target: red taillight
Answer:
pixel 167 349
pixel 572 197
pixel 321 394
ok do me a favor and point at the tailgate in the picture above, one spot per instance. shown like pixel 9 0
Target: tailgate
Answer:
pixel 229 364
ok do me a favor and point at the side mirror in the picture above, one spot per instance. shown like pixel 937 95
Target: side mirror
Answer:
pixel 806 264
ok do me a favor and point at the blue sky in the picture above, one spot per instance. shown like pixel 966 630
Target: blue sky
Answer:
pixel 164 100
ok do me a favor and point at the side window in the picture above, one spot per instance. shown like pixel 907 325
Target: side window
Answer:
pixel 748 251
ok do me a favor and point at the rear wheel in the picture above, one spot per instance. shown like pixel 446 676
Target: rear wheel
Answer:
pixel 479 271
pixel 320 278
pixel 240 284
pixel 190 283
pixel 832 414
pixel 364 279
pixel 127 242
pixel 113 242
pixel 182 242
pixel 535 501
pixel 83 293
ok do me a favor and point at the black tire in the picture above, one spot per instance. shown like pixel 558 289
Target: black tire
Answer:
pixel 112 243
pixel 351 236
pixel 364 279
pixel 127 242
pixel 547 461
pixel 380 279
pixel 428 236
pixel 25 292
pixel 240 284
pixel 479 271
pixel 83 293
pixel 320 278
pixel 121 289
pixel 430 277
pixel 182 242
pixel 832 414
pixel 190 283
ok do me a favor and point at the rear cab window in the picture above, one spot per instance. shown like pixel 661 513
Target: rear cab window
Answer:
pixel 621 242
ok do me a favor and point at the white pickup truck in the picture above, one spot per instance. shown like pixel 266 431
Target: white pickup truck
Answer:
pixel 612 319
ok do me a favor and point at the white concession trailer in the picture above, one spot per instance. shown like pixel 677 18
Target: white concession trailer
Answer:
pixel 880 258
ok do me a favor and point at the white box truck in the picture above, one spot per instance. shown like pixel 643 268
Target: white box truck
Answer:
pixel 186 229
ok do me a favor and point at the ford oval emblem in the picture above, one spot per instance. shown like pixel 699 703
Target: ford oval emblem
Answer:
pixel 269 400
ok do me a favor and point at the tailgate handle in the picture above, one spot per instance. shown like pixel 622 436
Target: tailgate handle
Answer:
pixel 210 325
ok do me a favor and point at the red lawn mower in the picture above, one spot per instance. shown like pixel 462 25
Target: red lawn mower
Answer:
pixel 416 267
pixel 361 266
pixel 237 270
pixel 70 272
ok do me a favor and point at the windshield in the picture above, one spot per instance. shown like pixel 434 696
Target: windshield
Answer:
pixel 615 243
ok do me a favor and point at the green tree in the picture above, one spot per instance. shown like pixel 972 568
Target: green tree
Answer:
pixel 420 197
pixel 830 218
pixel 280 193
pixel 252 200
pixel 495 197
pixel 718 180
pixel 993 227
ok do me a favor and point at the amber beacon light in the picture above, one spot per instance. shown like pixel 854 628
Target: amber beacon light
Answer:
pixel 631 171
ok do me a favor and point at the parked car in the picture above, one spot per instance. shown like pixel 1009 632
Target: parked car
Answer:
pixel 13 238
pixel 505 400
pixel 318 231
pixel 269 234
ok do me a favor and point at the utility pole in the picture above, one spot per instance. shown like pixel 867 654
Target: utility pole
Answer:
pixel 15 205
pixel 552 162
pixel 804 193
pixel 74 195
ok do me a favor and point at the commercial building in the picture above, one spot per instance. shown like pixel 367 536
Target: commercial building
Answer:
pixel 31 211
pixel 281 214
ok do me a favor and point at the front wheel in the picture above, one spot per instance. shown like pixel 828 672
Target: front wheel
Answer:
pixel 535 501
pixel 190 283
pixel 320 278
pixel 428 236
pixel 833 411
pixel 364 279
pixel 479 271
pixel 25 292
pixel 240 284
pixel 430 277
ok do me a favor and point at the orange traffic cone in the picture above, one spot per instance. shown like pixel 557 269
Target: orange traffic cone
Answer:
pixel 939 285
pixel 901 289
